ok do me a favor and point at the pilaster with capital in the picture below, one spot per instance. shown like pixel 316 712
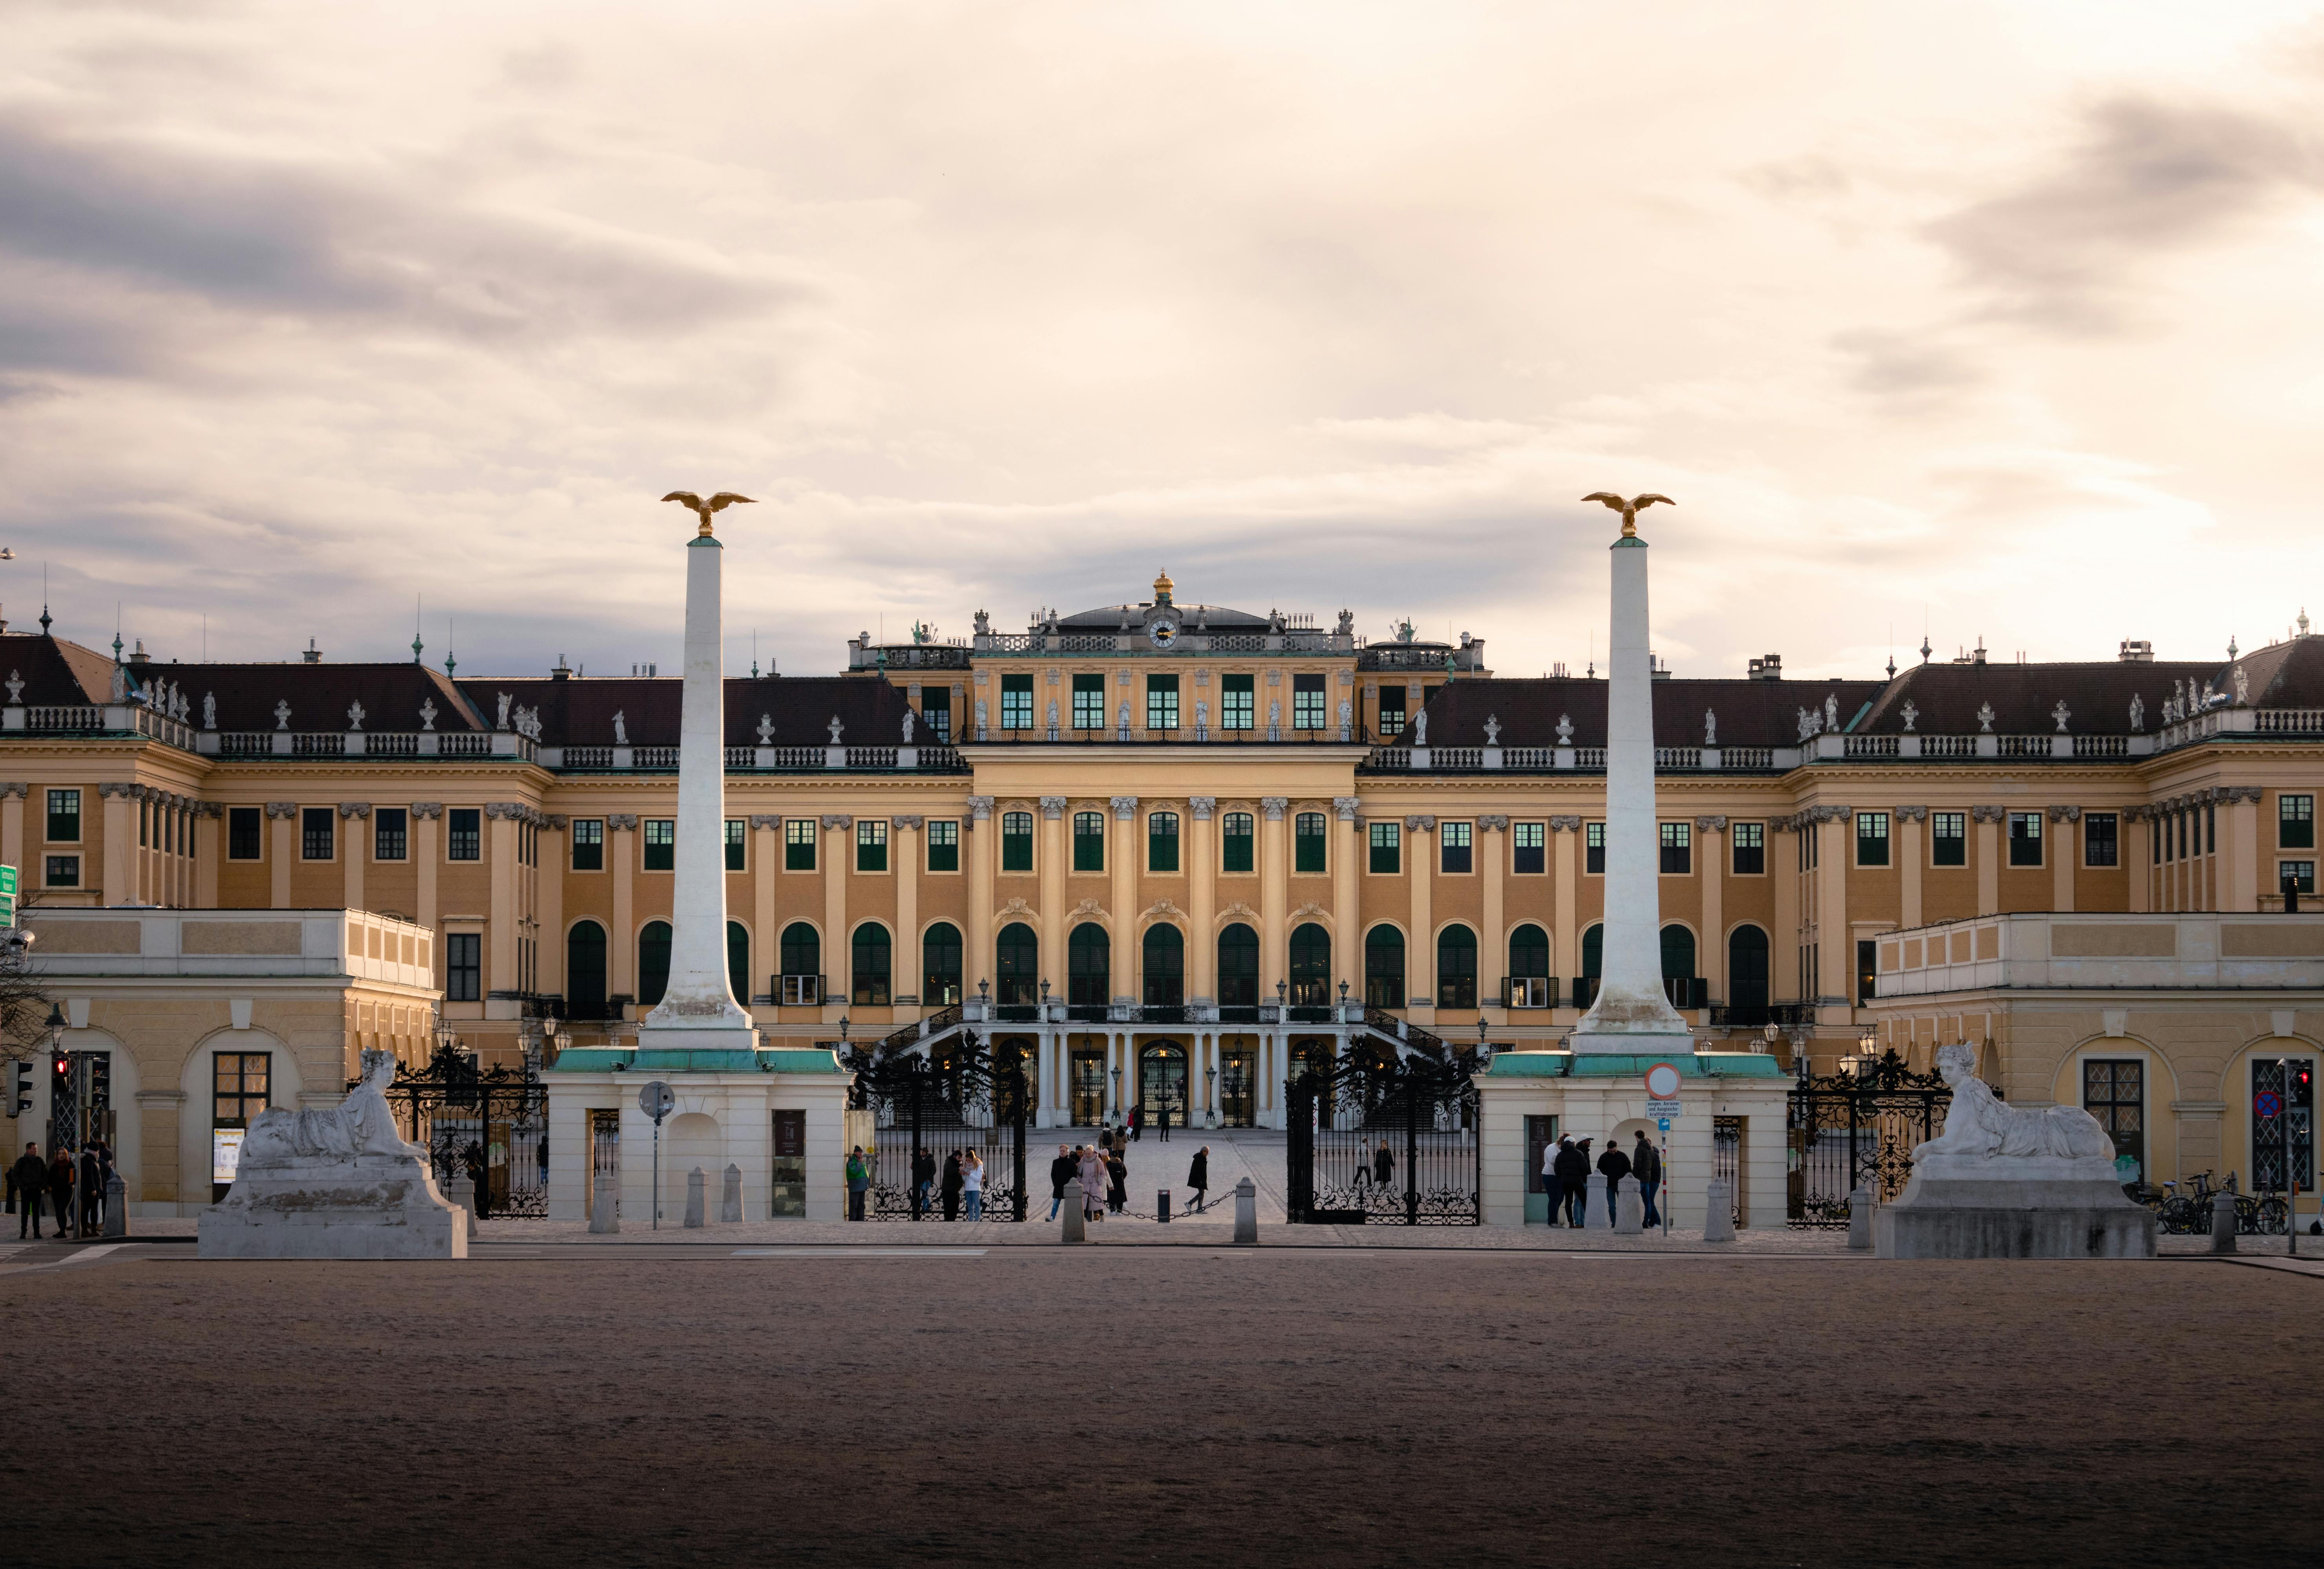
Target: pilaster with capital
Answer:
pixel 1126 861
pixel 1202 864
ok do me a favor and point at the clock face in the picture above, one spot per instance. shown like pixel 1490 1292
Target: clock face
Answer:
pixel 1163 633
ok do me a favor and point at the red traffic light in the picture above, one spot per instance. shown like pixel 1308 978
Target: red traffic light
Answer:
pixel 64 1065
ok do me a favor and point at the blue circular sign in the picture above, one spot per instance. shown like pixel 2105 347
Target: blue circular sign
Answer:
pixel 2267 1104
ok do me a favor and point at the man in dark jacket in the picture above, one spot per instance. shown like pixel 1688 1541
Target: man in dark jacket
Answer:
pixel 1613 1165
pixel 1198 1178
pixel 1646 1166
pixel 61 1188
pixel 29 1179
pixel 92 1192
pixel 1384 1167
pixel 949 1192
pixel 924 1178
pixel 1061 1170
pixel 1573 1175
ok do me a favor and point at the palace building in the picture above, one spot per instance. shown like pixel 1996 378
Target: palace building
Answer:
pixel 1174 849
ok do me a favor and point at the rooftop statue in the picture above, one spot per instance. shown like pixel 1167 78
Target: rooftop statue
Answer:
pixel 703 508
pixel 1630 508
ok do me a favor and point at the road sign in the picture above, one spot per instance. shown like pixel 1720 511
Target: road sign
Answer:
pixel 1664 1109
pixel 2267 1106
pixel 657 1100
pixel 1662 1123
pixel 1662 1081
pixel 7 896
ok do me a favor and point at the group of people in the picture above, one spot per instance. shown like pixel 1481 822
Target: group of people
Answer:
pixel 1375 1167
pixel 1135 1123
pixel 33 1182
pixel 960 1193
pixel 1565 1176
pixel 1101 1177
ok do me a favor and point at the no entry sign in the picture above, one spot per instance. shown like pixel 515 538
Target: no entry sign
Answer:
pixel 1662 1081
pixel 2267 1104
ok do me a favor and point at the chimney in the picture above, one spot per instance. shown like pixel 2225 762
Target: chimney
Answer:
pixel 561 673
pixel 138 656
pixel 2136 651
pixel 313 656
pixel 1976 656
pixel 1768 667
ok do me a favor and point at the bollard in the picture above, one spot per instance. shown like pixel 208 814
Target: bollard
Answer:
pixel 1246 1197
pixel 1859 1219
pixel 1630 1209
pixel 730 1196
pixel 2223 1223
pixel 462 1193
pixel 117 1207
pixel 1718 1213
pixel 694 1196
pixel 1597 1207
pixel 1076 1223
pixel 602 1215
pixel 1162 1204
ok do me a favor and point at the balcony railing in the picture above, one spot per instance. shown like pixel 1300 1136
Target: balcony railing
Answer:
pixel 1947 746
pixel 1872 746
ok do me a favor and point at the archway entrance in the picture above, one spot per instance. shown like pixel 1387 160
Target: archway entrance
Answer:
pixel 1237 1087
pixel 1162 1082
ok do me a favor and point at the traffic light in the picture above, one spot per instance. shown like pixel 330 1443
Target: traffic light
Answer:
pixel 100 1079
pixel 2304 1085
pixel 23 1088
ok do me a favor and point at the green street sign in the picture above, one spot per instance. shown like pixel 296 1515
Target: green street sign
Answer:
pixel 7 896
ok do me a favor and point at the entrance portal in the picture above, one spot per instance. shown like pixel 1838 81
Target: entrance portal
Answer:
pixel 1088 1089
pixel 1237 1081
pixel 1162 1082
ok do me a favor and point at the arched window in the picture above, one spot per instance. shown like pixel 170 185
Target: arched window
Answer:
pixel 653 963
pixel 869 964
pixel 1089 967
pixel 802 961
pixel 1311 966
pixel 1593 952
pixel 738 961
pixel 1456 967
pixel 1238 966
pixel 1384 967
pixel 1678 967
pixel 1162 842
pixel 940 966
pixel 585 971
pixel 1746 975
pixel 1530 968
pixel 1017 953
pixel 1166 967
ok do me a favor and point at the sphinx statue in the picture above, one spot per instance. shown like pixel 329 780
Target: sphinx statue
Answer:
pixel 361 1125
pixel 1980 1127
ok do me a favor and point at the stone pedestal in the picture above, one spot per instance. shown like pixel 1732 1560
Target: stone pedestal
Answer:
pixel 117 1207
pixel 693 1200
pixel 2047 1211
pixel 602 1219
pixel 1718 1213
pixel 375 1207
pixel 1076 1225
pixel 1246 1198
pixel 730 1196
pixel 1630 1209
pixel 1597 1207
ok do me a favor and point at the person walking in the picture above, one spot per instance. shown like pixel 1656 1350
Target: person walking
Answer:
pixel 29 1179
pixel 61 1188
pixel 972 1184
pixel 1363 1167
pixel 1646 1166
pixel 1384 1167
pixel 1551 1182
pixel 1117 1190
pixel 92 1192
pixel 950 1191
pixel 1573 1166
pixel 924 1178
pixel 1613 1165
pixel 859 1182
pixel 1093 1167
pixel 1162 1123
pixel 1137 1122
pixel 1198 1178
pixel 1061 1172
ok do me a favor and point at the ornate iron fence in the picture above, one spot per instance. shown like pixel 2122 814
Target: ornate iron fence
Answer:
pixel 933 1108
pixel 1848 1128
pixel 491 1124
pixel 1384 1138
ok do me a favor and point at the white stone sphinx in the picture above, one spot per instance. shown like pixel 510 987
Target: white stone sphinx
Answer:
pixel 334 1184
pixel 2011 1182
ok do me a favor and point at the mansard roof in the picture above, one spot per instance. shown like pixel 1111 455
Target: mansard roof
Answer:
pixel 1751 713
pixel 55 671
pixel 1112 618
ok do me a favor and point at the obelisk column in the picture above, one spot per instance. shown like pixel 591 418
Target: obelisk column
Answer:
pixel 699 999
pixel 1631 1013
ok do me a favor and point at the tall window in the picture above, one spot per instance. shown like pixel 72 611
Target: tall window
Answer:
pixel 935 711
pixel 1677 848
pixel 738 961
pixel 2101 833
pixel 1089 841
pixel 2025 839
pixel 1016 703
pixel 2295 823
pixel 1868 971
pixel 801 954
pixel 1454 857
pixel 1307 843
pixel 661 844
pixel 1235 841
pixel 64 818
pixel 1456 967
pixel 1747 972
pixel 653 963
pixel 869 963
pixel 390 835
pixel 871 844
pixel 1016 842
pixel 1238 701
pixel 1594 955
pixel 1306 702
pixel 1871 839
pixel 1089 702
pixel 1593 848
pixel 1528 849
pixel 1948 839
pixel 1311 965
pixel 1017 953
pixel 244 833
pixel 736 852
pixel 1678 952
pixel 2114 1092
pixel 940 965
pixel 943 844
pixel 241 1087
pixel 1384 967
pixel 1391 712
pixel 585 971
pixel 1162 842
pixel 1388 847
pixel 1528 984
pixel 318 835
pixel 464 967
pixel 1166 967
pixel 799 844
pixel 1089 967
pixel 2297 1118
pixel 1750 849
pixel 1161 702
pixel 2300 875
pixel 1238 966
pixel 464 834
pixel 588 834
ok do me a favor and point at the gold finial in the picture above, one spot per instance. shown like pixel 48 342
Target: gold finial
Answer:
pixel 704 509
pixel 1162 587
pixel 1630 508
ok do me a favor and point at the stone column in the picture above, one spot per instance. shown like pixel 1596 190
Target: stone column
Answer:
pixel 1050 857
pixel 766 857
pixel 1835 938
pixel 355 817
pixel 1910 856
pixel 207 854
pixel 976 965
pixel 1273 891
pixel 1711 851
pixel 904 861
pixel 622 860
pixel 838 952
pixel 2140 848
pixel 1565 843
pixel 2062 855
pixel 1347 856
pixel 1988 858
pixel 1493 855
pixel 2240 885
pixel 121 844
pixel 1420 948
pixel 282 847
pixel 426 861
pixel 1202 866
pixel 501 819
pixel 12 836
pixel 548 880
pixel 1125 898
pixel 1783 872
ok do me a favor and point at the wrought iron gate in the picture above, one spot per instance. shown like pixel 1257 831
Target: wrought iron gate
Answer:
pixel 491 1124
pixel 935 1107
pixel 1848 1128
pixel 1376 1138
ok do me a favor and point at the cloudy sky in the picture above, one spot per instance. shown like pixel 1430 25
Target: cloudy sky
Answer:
pixel 1999 317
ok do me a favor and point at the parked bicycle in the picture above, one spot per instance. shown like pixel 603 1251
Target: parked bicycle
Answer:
pixel 2186 1210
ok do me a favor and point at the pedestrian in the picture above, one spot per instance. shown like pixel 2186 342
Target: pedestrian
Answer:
pixel 1093 1169
pixel 92 1192
pixel 1363 1164
pixel 1136 1121
pixel 28 1179
pixel 1061 1172
pixel 1574 1174
pixel 859 1179
pixel 61 1188
pixel 1162 1123
pixel 1198 1178
pixel 1117 1190
pixel 950 1191
pixel 1384 1166
pixel 924 1178
pixel 972 1183
pixel 1646 1166
pixel 1613 1165
pixel 1551 1183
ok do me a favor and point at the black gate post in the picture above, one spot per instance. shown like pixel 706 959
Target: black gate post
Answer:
pixel 912 1172
pixel 1018 1097
pixel 1411 1146
pixel 1299 1150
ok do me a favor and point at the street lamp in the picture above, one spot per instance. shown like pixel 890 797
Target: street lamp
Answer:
pixel 1484 1047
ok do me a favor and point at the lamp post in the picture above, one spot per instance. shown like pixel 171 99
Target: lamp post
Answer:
pixel 1117 1091
pixel 1210 1096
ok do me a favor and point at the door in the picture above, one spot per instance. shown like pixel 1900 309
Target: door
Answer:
pixel 1162 1082
pixel 1237 1080
pixel 1088 1089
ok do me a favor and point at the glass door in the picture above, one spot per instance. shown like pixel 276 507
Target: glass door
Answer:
pixel 1088 1089
pixel 1238 1078
pixel 1162 1083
